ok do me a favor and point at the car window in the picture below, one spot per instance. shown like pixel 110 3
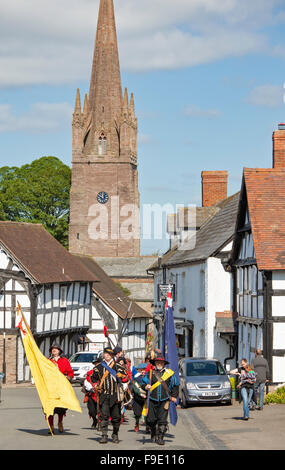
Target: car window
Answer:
pixel 83 357
pixel 204 368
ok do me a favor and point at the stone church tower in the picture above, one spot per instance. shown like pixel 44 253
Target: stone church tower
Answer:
pixel 104 198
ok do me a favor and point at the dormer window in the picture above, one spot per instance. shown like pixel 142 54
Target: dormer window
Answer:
pixel 102 144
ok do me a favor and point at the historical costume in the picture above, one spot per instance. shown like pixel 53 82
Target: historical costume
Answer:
pixel 109 374
pixel 139 394
pixel 126 385
pixel 162 387
pixel 65 368
pixel 92 397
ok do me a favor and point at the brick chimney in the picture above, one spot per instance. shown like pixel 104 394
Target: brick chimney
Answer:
pixel 278 138
pixel 214 187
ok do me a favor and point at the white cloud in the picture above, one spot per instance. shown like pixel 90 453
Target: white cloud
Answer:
pixel 270 96
pixel 52 42
pixel 40 118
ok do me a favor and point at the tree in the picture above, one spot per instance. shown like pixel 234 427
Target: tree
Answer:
pixel 37 193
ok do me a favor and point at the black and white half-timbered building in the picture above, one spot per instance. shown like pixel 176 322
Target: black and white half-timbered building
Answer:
pixel 53 289
pixel 126 321
pixel 258 265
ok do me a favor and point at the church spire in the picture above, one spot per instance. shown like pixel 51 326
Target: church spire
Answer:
pixel 105 94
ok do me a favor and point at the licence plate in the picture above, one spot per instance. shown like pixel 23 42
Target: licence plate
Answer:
pixel 210 394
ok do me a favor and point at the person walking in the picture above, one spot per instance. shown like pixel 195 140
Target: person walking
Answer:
pixel 65 368
pixel 247 379
pixel 91 396
pixel 261 368
pixel 139 395
pixel 109 374
pixel 162 387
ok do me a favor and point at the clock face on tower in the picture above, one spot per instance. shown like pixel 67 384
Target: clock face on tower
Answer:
pixel 102 197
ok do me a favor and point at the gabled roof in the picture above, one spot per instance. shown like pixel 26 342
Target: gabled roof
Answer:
pixel 40 255
pixel 110 292
pixel 265 191
pixel 214 234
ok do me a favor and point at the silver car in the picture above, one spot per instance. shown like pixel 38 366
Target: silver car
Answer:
pixel 203 381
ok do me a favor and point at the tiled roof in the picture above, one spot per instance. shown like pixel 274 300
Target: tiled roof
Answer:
pixel 265 189
pixel 41 255
pixel 212 236
pixel 110 292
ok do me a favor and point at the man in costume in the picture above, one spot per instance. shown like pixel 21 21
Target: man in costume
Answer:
pixel 139 394
pixel 109 375
pixel 162 388
pixel 91 396
pixel 65 368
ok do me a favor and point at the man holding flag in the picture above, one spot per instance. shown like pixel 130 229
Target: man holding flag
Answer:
pixel 170 348
pixel 163 383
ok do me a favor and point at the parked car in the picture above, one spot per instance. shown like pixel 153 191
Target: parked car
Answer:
pixel 203 381
pixel 81 363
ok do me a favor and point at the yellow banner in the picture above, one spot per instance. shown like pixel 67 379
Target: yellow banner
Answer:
pixel 53 387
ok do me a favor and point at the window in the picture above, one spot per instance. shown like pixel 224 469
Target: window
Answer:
pixel 63 290
pixel 102 144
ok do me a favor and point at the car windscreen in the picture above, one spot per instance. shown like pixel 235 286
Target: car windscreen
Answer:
pixel 83 357
pixel 204 368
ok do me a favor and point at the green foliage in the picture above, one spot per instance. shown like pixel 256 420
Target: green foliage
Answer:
pixel 37 193
pixel 278 396
pixel 124 289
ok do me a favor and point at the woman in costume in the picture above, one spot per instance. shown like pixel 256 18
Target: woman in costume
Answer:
pixel 64 366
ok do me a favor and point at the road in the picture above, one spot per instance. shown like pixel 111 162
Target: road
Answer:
pixel 22 426
pixel 213 427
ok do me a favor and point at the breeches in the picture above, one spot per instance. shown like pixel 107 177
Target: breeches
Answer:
pixel 92 407
pixel 157 414
pixel 107 411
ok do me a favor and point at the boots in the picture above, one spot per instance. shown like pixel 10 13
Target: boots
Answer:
pixel 104 439
pixel 50 420
pixel 153 434
pixel 160 435
pixel 115 438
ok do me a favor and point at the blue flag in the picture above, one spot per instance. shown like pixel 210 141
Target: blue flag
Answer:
pixel 170 350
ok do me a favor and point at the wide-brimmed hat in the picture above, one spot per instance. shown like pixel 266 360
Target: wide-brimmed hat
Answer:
pixel 57 346
pixel 109 351
pixel 158 359
pixel 117 349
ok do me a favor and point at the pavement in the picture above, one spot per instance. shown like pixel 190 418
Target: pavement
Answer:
pixel 205 427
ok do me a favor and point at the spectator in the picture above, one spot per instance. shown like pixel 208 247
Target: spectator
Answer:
pixel 246 385
pixel 261 368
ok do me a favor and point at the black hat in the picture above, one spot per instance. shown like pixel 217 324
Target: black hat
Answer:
pixel 109 351
pixel 160 359
pixel 57 346
pixel 117 349
pixel 97 360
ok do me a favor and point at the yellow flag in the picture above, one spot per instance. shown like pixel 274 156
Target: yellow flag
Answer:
pixel 53 387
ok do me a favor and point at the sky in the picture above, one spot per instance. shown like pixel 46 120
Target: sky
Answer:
pixel 207 76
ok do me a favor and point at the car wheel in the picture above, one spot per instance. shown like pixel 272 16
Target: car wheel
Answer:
pixel 229 403
pixel 184 402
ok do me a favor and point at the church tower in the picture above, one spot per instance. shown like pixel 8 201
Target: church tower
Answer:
pixel 104 197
